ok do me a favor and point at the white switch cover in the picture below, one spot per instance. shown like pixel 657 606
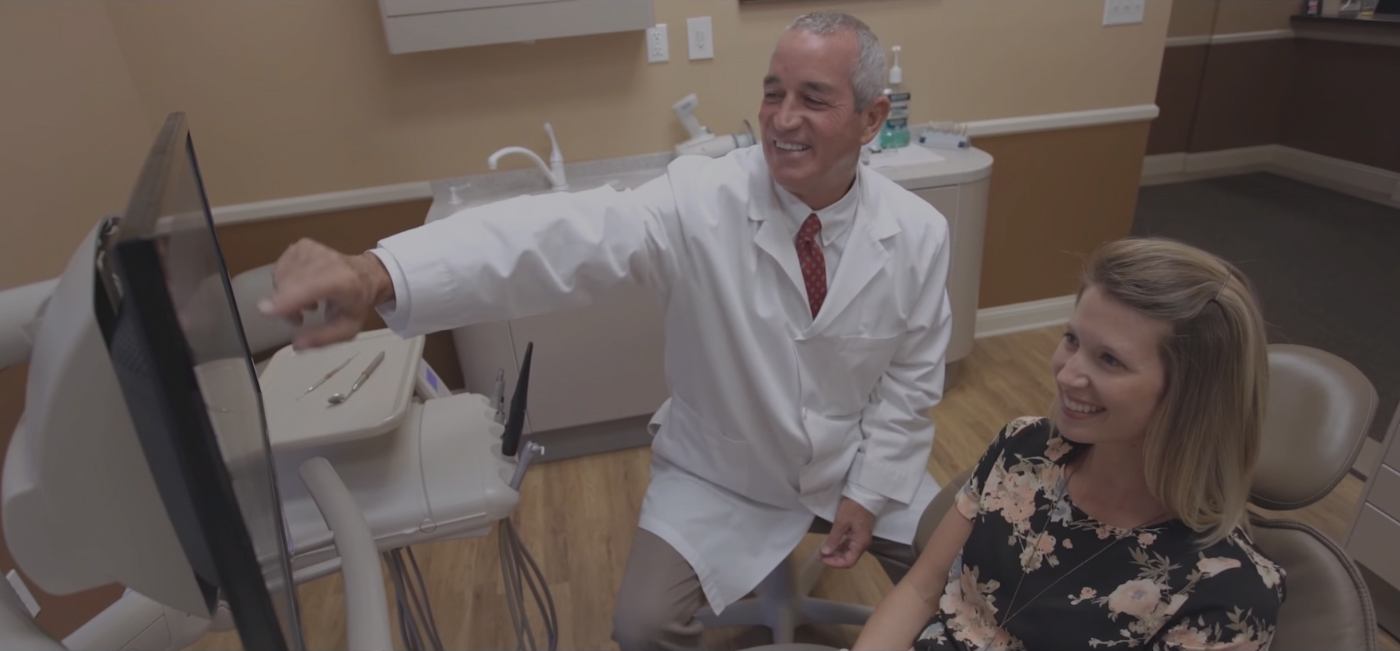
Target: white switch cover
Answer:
pixel 1123 12
pixel 658 44
pixel 702 37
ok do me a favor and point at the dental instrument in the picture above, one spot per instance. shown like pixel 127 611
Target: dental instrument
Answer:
pixel 337 398
pixel 328 375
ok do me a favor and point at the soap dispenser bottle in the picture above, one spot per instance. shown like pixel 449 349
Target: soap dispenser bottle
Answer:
pixel 895 133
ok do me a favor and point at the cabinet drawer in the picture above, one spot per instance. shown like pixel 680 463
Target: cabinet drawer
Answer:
pixel 1385 492
pixel 1374 542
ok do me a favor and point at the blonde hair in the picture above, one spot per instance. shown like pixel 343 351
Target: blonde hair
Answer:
pixel 1203 440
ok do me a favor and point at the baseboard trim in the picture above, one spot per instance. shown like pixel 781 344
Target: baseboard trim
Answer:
pixel 1163 164
pixel 1348 177
pixel 1241 158
pixel 1187 41
pixel 1369 459
pixel 1374 183
pixel 1057 121
pixel 1181 167
pixel 1251 37
pixel 1019 317
pixel 314 203
pixel 596 438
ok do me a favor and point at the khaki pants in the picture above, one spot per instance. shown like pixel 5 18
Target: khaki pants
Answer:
pixel 660 593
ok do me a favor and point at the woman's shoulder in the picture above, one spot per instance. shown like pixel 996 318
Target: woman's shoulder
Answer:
pixel 1237 551
pixel 1233 576
pixel 1232 593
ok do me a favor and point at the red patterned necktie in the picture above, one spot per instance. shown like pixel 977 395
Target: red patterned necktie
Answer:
pixel 813 263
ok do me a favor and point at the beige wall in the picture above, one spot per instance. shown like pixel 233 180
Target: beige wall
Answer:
pixel 72 132
pixel 1192 18
pixel 1254 15
pixel 293 98
pixel 1203 17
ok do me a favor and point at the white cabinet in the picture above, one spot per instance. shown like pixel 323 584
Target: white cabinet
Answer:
pixel 957 183
pixel 417 25
pixel 595 364
pixel 1375 534
pixel 591 365
pixel 965 206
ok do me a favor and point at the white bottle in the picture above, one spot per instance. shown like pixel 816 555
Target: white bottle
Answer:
pixel 895 133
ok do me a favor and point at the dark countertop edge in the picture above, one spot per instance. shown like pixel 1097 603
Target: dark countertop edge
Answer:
pixel 1380 21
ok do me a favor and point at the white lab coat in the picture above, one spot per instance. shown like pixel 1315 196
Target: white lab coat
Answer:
pixel 771 412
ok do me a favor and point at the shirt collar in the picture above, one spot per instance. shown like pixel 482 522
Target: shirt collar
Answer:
pixel 836 219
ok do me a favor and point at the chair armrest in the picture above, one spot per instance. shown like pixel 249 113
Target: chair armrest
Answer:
pixel 940 505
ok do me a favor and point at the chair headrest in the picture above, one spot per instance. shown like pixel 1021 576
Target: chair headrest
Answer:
pixel 1320 408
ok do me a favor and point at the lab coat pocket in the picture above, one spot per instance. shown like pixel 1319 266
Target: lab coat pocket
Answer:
pixel 835 441
pixel 693 443
pixel 839 373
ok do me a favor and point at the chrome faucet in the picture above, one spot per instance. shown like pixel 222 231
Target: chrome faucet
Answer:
pixel 554 171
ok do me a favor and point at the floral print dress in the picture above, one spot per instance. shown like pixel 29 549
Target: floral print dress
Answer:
pixel 1088 585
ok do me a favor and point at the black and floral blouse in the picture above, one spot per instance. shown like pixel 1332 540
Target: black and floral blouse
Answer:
pixel 1086 584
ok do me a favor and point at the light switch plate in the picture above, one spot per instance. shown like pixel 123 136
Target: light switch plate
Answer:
pixel 700 31
pixel 1123 12
pixel 658 44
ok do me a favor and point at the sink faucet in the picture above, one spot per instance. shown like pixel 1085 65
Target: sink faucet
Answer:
pixel 554 171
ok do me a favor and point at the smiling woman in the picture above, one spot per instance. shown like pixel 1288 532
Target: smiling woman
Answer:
pixel 1119 519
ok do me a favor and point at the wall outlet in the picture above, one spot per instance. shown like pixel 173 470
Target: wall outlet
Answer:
pixel 658 44
pixel 1123 12
pixel 702 37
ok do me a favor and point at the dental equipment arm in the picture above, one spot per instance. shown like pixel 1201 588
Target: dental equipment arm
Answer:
pixel 367 616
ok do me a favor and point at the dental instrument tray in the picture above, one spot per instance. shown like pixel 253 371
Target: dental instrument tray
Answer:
pixel 298 418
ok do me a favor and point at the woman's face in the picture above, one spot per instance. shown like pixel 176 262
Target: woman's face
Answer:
pixel 1109 374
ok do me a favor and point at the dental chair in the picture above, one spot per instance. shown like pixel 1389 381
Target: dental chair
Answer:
pixel 1320 407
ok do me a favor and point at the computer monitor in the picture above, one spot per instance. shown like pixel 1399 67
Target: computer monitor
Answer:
pixel 178 348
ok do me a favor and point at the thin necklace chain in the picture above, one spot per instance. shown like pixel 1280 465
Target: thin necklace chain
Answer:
pixel 1063 492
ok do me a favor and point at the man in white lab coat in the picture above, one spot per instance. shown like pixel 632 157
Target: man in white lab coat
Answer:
pixel 806 320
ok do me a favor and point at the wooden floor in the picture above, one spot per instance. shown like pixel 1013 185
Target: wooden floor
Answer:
pixel 577 518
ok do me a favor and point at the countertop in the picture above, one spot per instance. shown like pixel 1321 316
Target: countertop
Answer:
pixel 942 167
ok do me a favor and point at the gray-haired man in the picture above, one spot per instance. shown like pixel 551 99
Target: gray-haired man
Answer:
pixel 805 317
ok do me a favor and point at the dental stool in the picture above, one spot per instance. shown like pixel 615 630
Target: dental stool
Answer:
pixel 781 604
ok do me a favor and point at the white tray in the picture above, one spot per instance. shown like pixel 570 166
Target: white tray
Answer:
pixel 296 421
